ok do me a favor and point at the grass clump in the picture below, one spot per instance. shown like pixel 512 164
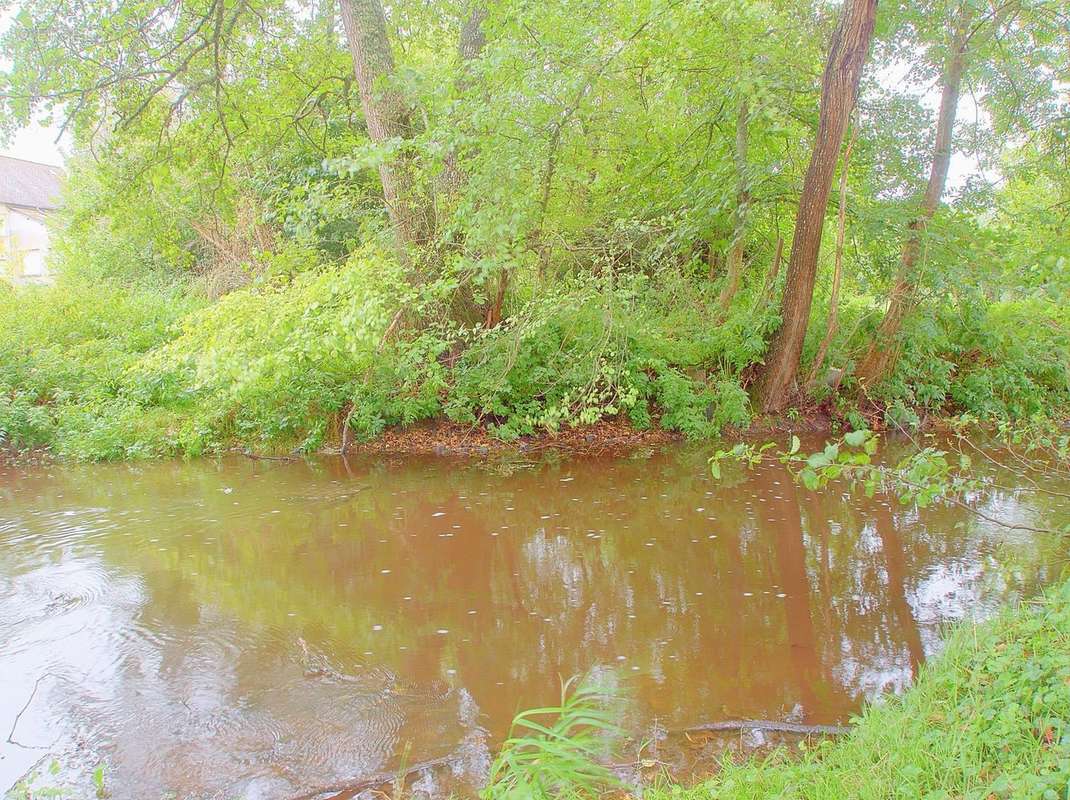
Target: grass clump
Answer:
pixel 989 718
pixel 555 751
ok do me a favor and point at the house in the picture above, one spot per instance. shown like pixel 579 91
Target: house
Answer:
pixel 29 192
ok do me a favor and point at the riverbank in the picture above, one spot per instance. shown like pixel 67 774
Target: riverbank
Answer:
pixel 989 718
pixel 107 372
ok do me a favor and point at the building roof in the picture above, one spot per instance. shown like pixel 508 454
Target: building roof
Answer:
pixel 27 184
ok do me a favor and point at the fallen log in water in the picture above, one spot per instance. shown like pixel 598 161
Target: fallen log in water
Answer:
pixel 773 726
pixel 354 786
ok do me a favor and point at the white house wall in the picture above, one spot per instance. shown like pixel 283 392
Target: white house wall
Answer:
pixel 25 250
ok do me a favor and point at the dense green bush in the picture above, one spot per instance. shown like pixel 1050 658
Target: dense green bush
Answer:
pixel 66 350
pixel 119 373
pixel 1006 360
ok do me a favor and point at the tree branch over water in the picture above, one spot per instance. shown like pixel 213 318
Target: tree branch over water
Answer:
pixel 924 477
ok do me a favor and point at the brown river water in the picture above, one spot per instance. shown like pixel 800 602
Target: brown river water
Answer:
pixel 258 629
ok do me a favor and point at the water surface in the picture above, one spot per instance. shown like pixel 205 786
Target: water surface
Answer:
pixel 257 629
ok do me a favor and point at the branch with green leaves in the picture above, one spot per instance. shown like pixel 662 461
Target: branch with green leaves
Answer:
pixel 926 476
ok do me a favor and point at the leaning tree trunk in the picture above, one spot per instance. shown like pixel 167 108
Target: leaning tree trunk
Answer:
pixel 388 117
pixel 839 89
pixel 743 199
pixel 883 351
pixel 837 269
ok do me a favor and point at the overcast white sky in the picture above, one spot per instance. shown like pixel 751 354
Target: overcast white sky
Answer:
pixel 34 143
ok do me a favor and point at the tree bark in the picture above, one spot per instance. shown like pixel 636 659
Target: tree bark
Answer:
pixel 774 271
pixel 388 117
pixel 837 270
pixel 743 199
pixel 883 351
pixel 469 47
pixel 839 89
pixel 473 39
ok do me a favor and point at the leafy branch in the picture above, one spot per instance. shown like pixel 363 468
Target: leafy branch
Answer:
pixel 924 477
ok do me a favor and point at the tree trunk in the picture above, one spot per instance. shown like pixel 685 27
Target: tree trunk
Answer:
pixel 493 316
pixel 473 38
pixel 388 117
pixel 883 351
pixel 774 271
pixel 469 47
pixel 837 270
pixel 743 199
pixel 839 89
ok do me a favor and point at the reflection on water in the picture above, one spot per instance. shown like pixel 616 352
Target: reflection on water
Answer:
pixel 256 629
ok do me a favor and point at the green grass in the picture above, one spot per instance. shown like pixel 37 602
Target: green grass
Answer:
pixel 989 718
pixel 555 751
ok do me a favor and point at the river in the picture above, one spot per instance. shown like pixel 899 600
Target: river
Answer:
pixel 257 629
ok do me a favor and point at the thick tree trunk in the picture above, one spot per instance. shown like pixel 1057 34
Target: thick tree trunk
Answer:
pixel 388 117
pixel 837 270
pixel 883 351
pixel 739 223
pixel 839 90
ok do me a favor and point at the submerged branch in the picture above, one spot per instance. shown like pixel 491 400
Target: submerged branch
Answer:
pixel 355 785
pixel 773 726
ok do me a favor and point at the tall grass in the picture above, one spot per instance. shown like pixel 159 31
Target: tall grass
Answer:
pixel 554 751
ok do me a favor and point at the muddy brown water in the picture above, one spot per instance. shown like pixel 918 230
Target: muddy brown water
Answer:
pixel 257 629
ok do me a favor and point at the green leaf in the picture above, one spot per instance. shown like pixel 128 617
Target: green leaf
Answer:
pixel 818 460
pixel 795 445
pixel 856 438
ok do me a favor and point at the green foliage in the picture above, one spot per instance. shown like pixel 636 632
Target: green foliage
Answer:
pixel 229 271
pixel 1008 360
pixel 925 475
pixel 64 352
pixel 554 752
pixel 591 352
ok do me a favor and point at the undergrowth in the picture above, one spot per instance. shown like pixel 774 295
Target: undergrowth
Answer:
pixel 96 369
pixel 283 363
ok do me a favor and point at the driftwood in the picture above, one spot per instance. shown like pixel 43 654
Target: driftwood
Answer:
pixel 259 457
pixel 354 786
pixel 770 725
